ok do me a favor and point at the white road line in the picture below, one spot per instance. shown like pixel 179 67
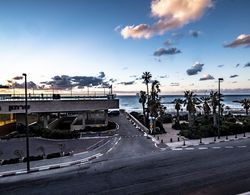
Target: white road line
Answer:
pixel 80 153
pixel 189 148
pixel 216 147
pixel 110 150
pixel 202 148
pixel 241 146
pixel 94 144
pixel 229 147
pixel 177 149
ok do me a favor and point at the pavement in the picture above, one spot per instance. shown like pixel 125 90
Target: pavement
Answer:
pixel 132 164
pixel 172 139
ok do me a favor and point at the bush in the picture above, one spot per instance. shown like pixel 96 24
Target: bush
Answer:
pixel 110 126
pixel 33 158
pixel 53 155
pixel 10 161
pixel 167 118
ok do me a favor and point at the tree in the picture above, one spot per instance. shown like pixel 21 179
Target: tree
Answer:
pixel 205 106
pixel 214 102
pixel 178 103
pixel 245 103
pixel 146 76
pixel 142 100
pixel 190 102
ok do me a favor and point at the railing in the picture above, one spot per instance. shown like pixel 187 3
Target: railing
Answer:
pixel 35 97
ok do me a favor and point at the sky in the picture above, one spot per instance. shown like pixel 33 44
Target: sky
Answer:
pixel 184 44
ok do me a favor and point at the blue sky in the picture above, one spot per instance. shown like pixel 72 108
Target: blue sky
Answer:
pixel 83 38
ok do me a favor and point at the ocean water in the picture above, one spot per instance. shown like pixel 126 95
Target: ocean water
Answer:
pixel 131 103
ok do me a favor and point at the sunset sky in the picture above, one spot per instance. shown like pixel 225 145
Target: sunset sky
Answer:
pixel 185 44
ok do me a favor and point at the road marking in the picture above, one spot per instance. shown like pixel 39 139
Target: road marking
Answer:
pixel 189 148
pixel 177 149
pixel 202 148
pixel 216 147
pixel 229 147
pixel 241 146
pixel 81 153
pixel 94 144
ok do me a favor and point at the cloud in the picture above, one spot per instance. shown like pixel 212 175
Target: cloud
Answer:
pixel 233 76
pixel 127 83
pixel 234 82
pixel 117 28
pixel 170 51
pixel 101 75
pixel 220 66
pixel 163 76
pixel 67 82
pixel 174 84
pixel 239 41
pixel 206 77
pixel 170 14
pixel 4 86
pixel 247 65
pixel 194 33
pixel 18 78
pixel 168 42
pixel 197 67
pixel 237 65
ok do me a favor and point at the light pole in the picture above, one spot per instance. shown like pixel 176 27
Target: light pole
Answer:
pixel 219 80
pixel 26 123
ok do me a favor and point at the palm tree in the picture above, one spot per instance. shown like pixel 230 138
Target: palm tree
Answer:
pixel 178 103
pixel 142 100
pixel 245 103
pixel 190 102
pixel 205 106
pixel 214 101
pixel 146 76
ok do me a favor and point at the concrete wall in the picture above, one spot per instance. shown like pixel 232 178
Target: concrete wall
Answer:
pixel 41 106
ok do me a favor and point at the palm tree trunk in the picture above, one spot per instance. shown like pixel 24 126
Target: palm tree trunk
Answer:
pixel 190 119
pixel 246 111
pixel 177 117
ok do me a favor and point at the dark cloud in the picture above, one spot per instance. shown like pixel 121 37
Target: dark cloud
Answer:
pixel 67 82
pixel 174 84
pixel 239 41
pixel 127 83
pixel 101 75
pixel 237 65
pixel 133 76
pixel 169 51
pixel 18 78
pixel 220 66
pixel 4 86
pixel 234 82
pixel 247 65
pixel 233 76
pixel 168 42
pixel 30 85
pixel 207 77
pixel 197 67
pixel 112 80
pixel 195 33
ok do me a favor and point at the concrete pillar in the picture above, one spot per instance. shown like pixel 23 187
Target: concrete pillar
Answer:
pixel 45 121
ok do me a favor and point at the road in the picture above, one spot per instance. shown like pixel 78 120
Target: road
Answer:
pixel 136 166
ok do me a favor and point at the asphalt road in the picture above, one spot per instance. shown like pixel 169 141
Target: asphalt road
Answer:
pixel 136 166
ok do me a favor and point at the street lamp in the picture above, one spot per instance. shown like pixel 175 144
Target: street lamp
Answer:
pixel 26 123
pixel 219 80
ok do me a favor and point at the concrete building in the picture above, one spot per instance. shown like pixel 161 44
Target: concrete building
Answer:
pixel 88 110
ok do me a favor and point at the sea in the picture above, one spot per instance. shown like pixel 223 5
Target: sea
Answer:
pixel 131 102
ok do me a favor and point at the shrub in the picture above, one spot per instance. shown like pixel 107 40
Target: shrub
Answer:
pixel 167 118
pixel 10 161
pixel 33 158
pixel 53 155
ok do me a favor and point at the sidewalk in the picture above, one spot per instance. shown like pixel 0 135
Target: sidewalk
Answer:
pixel 172 134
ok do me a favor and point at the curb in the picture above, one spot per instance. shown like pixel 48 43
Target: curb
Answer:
pixel 50 167
pixel 202 144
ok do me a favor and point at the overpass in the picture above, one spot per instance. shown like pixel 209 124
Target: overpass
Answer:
pixel 88 108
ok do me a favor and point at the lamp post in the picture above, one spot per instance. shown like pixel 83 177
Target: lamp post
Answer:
pixel 219 80
pixel 26 123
